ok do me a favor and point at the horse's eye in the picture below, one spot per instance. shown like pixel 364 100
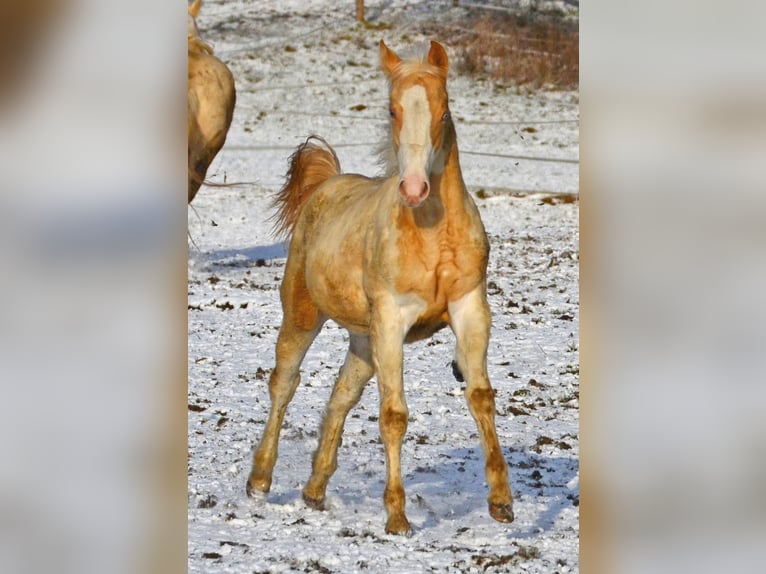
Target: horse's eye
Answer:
pixel 391 112
pixel 445 117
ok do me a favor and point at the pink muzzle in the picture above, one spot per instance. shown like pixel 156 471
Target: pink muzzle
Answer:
pixel 413 190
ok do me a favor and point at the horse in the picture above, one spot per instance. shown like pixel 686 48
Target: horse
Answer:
pixel 211 99
pixel 392 260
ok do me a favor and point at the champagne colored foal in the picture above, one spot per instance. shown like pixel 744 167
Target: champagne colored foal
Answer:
pixel 392 260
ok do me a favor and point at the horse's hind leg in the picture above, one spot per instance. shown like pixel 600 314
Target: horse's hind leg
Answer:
pixel 300 326
pixel 470 320
pixel 292 345
pixel 355 372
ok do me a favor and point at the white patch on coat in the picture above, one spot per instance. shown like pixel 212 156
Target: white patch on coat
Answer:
pixel 410 308
pixel 463 313
pixel 465 309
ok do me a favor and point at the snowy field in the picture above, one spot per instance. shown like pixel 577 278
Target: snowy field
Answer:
pixel 307 67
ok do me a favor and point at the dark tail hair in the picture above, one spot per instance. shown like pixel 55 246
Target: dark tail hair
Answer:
pixel 310 166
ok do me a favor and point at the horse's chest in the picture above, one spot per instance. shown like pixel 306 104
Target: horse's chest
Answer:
pixel 441 274
pixel 432 294
pixel 435 282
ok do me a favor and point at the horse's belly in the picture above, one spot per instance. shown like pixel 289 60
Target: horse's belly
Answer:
pixel 339 294
pixel 424 329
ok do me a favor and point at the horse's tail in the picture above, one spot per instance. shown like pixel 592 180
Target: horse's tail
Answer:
pixel 310 166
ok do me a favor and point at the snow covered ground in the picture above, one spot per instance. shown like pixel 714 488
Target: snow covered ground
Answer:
pixel 307 67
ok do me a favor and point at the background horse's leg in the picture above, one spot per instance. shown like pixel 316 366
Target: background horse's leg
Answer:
pixel 355 372
pixel 300 326
pixel 470 321
pixel 387 342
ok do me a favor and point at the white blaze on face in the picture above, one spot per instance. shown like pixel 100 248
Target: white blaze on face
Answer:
pixel 415 148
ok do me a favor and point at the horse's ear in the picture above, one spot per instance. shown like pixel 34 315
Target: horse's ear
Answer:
pixel 194 8
pixel 389 61
pixel 437 57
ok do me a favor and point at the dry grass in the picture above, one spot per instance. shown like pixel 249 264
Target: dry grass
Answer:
pixel 533 49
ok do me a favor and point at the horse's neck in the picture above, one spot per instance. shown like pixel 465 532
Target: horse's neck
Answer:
pixel 446 203
pixel 198 46
pixel 451 188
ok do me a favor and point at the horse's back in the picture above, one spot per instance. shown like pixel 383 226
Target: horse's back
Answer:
pixel 345 204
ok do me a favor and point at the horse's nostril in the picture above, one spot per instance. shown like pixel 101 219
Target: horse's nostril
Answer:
pixel 413 189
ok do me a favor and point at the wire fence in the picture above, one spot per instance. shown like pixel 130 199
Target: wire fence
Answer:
pixel 272 147
pixel 381 118
pixel 283 40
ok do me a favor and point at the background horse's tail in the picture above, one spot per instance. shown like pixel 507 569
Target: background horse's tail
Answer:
pixel 310 166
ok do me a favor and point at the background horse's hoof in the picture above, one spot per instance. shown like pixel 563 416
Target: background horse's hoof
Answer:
pixel 314 503
pixel 501 512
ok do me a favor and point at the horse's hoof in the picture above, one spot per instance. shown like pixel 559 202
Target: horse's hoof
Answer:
pixel 257 491
pixel 314 503
pixel 398 525
pixel 501 512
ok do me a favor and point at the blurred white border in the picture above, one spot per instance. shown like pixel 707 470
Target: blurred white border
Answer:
pixel 674 264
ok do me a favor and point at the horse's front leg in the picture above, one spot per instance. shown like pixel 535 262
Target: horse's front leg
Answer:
pixel 470 321
pixel 389 326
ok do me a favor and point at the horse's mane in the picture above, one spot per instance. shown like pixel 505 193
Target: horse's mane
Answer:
pixel 197 46
pixel 387 160
pixel 418 66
